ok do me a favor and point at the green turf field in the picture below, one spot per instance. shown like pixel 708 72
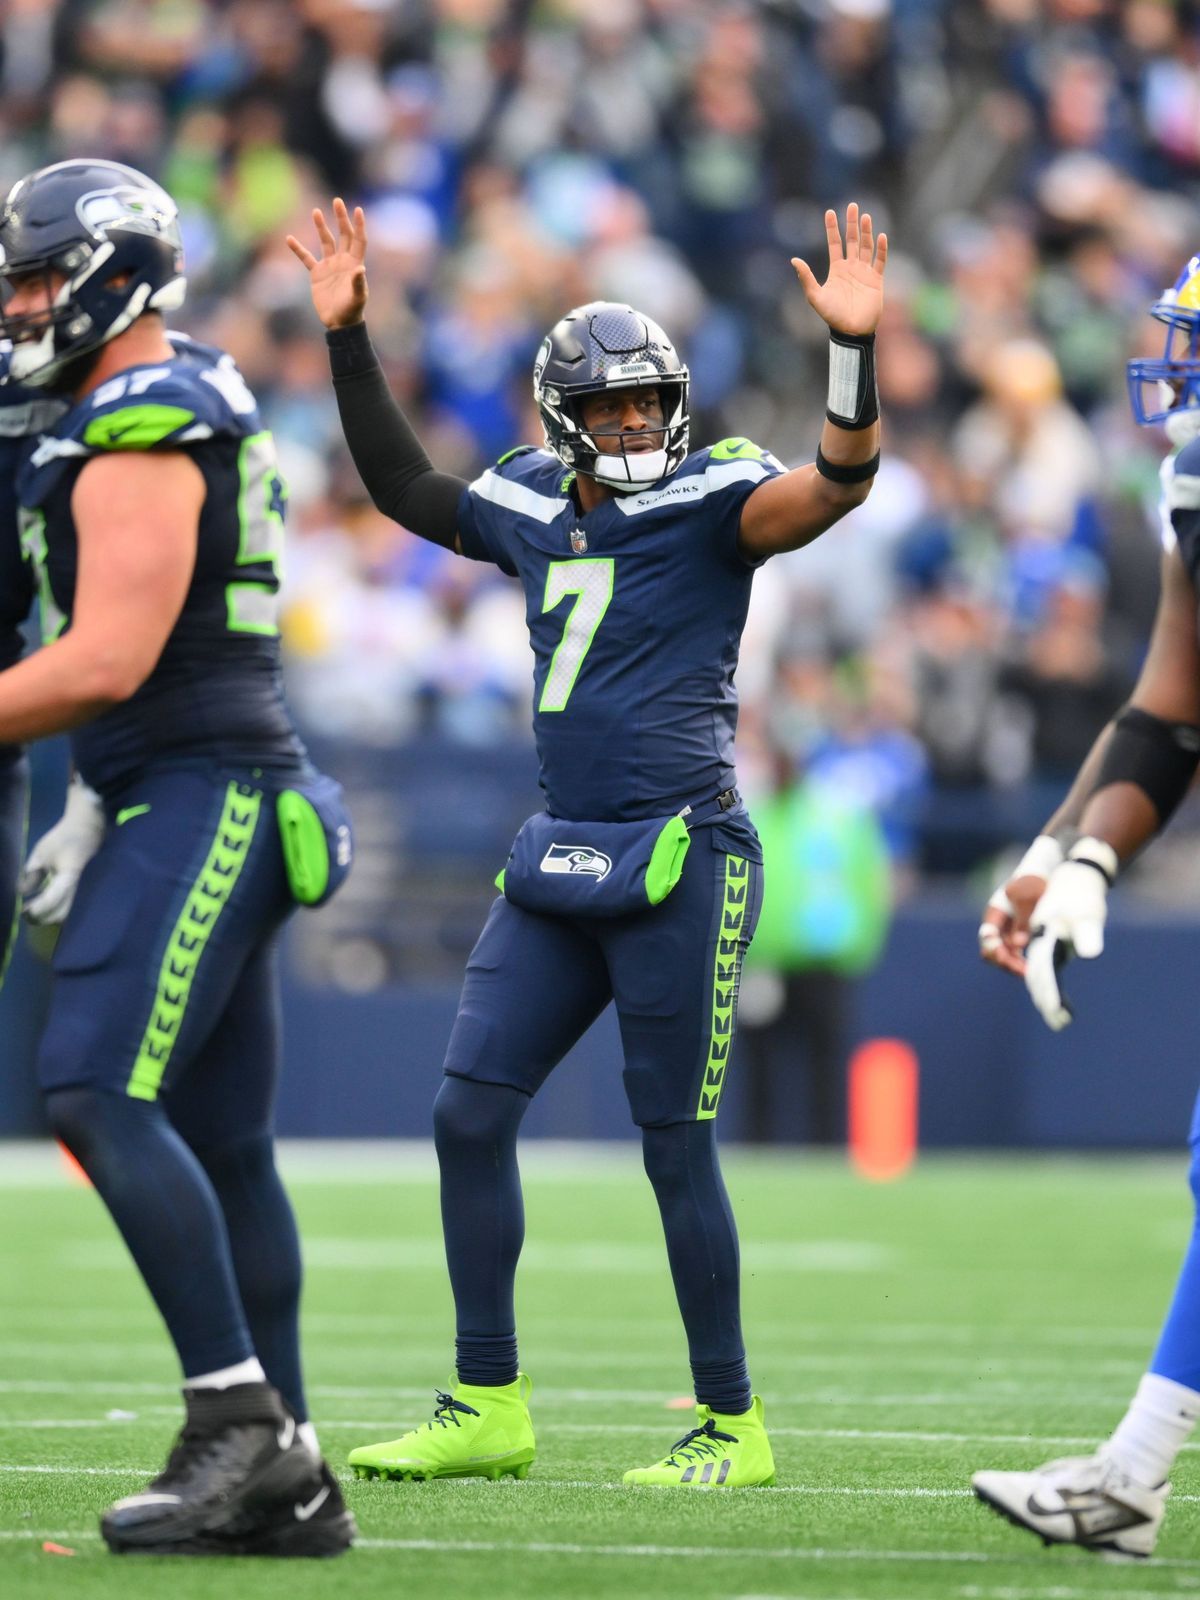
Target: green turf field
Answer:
pixel 982 1312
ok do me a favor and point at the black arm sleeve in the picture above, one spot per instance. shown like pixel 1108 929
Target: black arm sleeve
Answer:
pixel 397 473
pixel 1159 757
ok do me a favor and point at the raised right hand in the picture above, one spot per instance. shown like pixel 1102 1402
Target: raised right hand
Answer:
pixel 339 279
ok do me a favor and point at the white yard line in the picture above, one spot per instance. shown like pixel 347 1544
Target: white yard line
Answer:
pixel 389 1420
pixel 972 1591
pixel 471 1485
pixel 713 1552
pixel 822 1395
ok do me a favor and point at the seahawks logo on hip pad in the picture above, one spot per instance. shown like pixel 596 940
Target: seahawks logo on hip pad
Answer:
pixel 578 858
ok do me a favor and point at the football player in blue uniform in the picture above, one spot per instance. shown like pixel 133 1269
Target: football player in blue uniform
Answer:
pixel 151 513
pixel 640 882
pixel 22 413
pixel 1054 906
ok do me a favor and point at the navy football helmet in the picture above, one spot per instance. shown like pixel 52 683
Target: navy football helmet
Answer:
pixel 88 223
pixel 1162 388
pixel 605 346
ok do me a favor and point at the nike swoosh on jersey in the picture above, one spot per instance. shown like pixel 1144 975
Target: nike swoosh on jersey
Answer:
pixel 128 813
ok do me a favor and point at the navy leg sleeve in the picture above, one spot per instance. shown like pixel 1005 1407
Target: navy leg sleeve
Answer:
pixel 223 1106
pixel 164 1205
pixel 702 1246
pixel 483 1218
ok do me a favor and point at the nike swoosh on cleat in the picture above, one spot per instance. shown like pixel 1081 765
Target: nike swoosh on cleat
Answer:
pixel 1102 1516
pixel 314 1505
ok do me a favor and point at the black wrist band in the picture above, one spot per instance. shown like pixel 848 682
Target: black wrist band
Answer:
pixel 350 350
pixel 839 474
pixel 853 399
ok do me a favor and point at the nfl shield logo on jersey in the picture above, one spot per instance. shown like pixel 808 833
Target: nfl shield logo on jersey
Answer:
pixel 578 541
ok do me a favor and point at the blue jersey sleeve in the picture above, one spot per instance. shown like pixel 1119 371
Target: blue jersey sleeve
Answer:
pixel 734 469
pixel 177 406
pixel 487 513
pixel 166 408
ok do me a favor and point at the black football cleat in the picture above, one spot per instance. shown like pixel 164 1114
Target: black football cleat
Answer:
pixel 238 1482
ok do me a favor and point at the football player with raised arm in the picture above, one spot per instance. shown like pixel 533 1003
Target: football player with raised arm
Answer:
pixel 151 514
pixel 1054 906
pixel 640 883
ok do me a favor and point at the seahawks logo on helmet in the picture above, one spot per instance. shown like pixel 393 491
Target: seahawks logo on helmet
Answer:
pixel 606 346
pixel 578 859
pixel 104 239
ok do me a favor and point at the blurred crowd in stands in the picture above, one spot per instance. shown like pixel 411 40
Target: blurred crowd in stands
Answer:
pixel 946 655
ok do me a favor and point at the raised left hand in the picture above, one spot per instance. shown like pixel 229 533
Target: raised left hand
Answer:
pixel 851 298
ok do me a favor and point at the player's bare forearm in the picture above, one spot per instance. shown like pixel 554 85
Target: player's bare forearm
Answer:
pixel 57 689
pixel 1168 689
pixel 792 510
pixel 788 512
pixel 1064 825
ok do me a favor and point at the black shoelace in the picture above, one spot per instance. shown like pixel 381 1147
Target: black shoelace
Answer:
pixel 700 1443
pixel 447 1408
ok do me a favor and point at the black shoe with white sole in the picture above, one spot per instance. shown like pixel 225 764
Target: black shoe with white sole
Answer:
pixel 238 1482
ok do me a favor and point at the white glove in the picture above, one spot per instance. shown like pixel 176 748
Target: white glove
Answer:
pixel 55 863
pixel 1039 861
pixel 1068 921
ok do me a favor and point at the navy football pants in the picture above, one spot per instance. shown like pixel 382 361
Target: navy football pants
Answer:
pixel 535 984
pixel 160 1060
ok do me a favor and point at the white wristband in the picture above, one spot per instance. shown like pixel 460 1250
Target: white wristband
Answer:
pixel 1097 853
pixel 845 380
pixel 1040 860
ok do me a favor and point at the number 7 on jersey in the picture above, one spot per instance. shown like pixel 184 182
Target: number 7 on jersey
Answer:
pixel 591 582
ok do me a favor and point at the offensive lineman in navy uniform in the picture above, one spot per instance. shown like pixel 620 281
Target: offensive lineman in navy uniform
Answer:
pixel 640 883
pixel 151 514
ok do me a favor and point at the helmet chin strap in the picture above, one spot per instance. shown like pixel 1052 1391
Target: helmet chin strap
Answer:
pixel 629 473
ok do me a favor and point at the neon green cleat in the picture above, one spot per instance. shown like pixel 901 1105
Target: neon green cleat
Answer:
pixel 476 1432
pixel 722 1453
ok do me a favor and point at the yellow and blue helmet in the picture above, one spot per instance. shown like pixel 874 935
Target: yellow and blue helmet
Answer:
pixel 1162 386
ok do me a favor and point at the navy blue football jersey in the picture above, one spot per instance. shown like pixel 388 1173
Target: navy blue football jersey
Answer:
pixel 635 614
pixel 216 692
pixel 22 413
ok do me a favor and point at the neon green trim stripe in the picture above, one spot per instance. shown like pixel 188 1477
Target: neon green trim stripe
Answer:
pixel 726 968
pixel 207 899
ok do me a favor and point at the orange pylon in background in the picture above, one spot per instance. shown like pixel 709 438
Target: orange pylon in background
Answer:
pixel 884 1086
